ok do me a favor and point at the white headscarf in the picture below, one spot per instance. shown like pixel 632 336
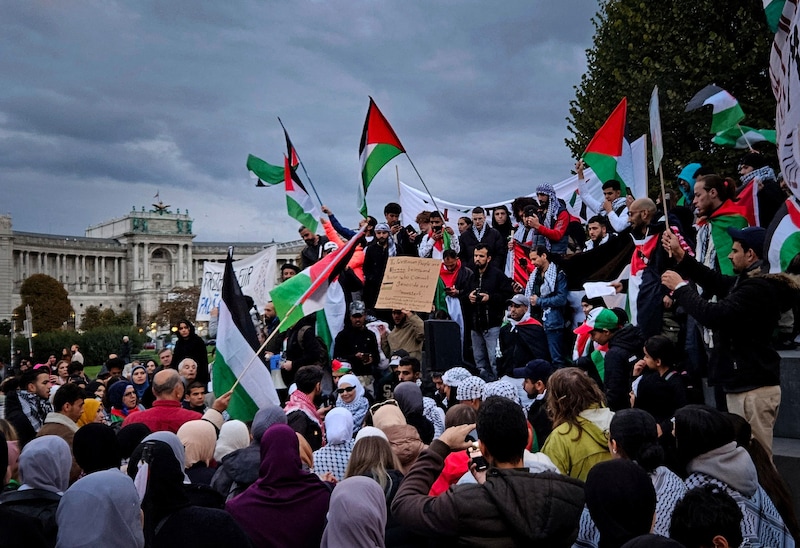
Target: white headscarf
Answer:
pixel 232 436
pixel 352 380
pixel 338 426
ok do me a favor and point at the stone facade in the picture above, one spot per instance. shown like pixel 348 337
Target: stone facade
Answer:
pixel 129 263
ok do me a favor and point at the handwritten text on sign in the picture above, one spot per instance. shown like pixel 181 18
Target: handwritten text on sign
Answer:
pixel 409 283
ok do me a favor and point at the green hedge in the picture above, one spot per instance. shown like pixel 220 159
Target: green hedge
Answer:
pixel 95 344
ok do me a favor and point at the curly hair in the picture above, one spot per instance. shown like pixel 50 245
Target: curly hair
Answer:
pixel 569 392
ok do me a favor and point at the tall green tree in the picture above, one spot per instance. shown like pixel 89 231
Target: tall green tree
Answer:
pixel 681 46
pixel 49 303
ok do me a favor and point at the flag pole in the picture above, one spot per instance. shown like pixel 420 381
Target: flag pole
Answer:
pixel 746 140
pixel 301 165
pixel 323 275
pixel 433 200
pixel 397 174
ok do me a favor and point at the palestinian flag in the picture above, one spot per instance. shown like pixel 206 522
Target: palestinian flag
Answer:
pixel 729 214
pixel 236 349
pixel 773 10
pixel 606 146
pixel 517 265
pixel 294 160
pixel 783 238
pixel 264 172
pixel 298 202
pixel 305 293
pixel 379 144
pixel 727 112
pixel 742 137
pixel 577 208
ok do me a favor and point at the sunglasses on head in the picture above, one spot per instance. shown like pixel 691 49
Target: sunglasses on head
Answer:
pixel 343 390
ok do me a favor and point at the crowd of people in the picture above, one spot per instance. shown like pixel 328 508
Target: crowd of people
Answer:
pixel 562 425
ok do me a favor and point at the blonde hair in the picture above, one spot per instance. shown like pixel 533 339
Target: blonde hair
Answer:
pixel 373 457
pixel 8 430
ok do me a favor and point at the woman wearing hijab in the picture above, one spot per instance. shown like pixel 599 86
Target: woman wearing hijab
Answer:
pixel 334 455
pixel 170 518
pixel 18 529
pixel 141 382
pixel 91 412
pixel 706 446
pixel 409 398
pixel 44 468
pixel 501 222
pixel 124 401
pixel 239 469
pixel 190 345
pixel 108 502
pixel 357 515
pixel 351 397
pixel 96 448
pixel 286 506
pixel 232 436
pixel 199 439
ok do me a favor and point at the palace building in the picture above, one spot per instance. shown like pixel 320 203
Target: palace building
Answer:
pixel 129 263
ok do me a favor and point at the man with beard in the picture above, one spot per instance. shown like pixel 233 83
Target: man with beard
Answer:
pixel 482 233
pixel 488 292
pixel 376 256
pixel 743 319
pixel 522 338
pixel 551 222
pixel 312 252
pixel 456 279
pixel 597 230
pixel 358 345
pixel 649 261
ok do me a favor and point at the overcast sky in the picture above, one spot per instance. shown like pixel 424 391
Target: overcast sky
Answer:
pixel 104 103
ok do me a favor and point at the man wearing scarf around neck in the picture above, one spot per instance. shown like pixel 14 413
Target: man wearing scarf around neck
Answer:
pixel 438 239
pixel 456 279
pixel 482 233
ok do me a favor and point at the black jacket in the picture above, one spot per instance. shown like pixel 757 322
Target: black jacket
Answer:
pixel 498 287
pixel 375 259
pixel 238 471
pixel 350 342
pixel 192 347
pixel 492 239
pixel 513 507
pixel 742 321
pixel 520 344
pixel 311 253
pixel 624 350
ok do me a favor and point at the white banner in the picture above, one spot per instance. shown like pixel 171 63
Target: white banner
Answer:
pixel 256 275
pixel 413 201
pixel 784 67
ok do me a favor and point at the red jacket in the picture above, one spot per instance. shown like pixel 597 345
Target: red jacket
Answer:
pixel 164 415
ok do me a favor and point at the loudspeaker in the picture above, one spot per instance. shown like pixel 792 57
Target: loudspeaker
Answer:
pixel 442 346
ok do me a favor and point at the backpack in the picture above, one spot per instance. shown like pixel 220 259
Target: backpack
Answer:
pixel 323 359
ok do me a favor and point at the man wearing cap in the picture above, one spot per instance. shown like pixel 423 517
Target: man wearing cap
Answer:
pixel 743 319
pixel 535 375
pixel 358 345
pixel 312 252
pixel 521 339
pixel 624 348
pixel 376 256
